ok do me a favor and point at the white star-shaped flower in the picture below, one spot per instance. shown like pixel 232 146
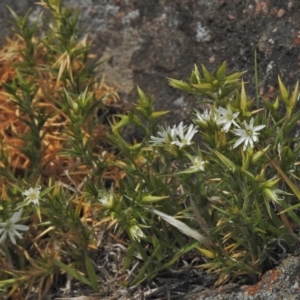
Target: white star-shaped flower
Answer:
pixel 180 135
pixel 165 136
pixel 10 228
pixel 136 232
pixel 248 136
pixel 185 135
pixel 32 195
pixel 208 115
pixel 107 198
pixel 227 118
pixel 197 164
pixel 202 118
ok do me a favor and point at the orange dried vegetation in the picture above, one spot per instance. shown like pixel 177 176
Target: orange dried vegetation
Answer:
pixel 55 129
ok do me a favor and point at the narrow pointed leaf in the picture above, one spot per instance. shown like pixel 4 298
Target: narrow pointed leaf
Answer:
pixel 243 97
pixel 142 95
pixel 227 162
pixel 294 97
pixel 150 198
pixel 182 227
pixel 72 272
pixel 195 78
pixel 206 74
pixel 235 75
pixel 91 273
pixel 203 86
pixel 283 91
pixel 222 70
pixel 124 121
pixel 292 186
pixel 158 114
pixel 207 253
pixel 129 256
pixel 178 84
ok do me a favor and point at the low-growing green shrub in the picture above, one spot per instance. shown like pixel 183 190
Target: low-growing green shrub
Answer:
pixel 235 193
pixel 52 141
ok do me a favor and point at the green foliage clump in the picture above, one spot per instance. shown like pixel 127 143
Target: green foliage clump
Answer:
pixel 236 193
pixel 51 143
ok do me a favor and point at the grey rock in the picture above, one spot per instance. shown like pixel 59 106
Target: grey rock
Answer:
pixel 282 283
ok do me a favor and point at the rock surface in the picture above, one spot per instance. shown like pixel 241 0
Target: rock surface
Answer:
pixel 149 41
pixel 282 283
pixel 20 7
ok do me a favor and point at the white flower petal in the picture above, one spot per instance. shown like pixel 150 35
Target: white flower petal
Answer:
pixel 21 227
pixel 236 124
pixel 240 132
pixel 246 125
pixel 222 120
pixel 251 123
pixel 235 115
pixel 226 127
pixel 16 216
pixel 14 232
pixel 12 238
pixel 238 142
pixel 250 141
pixel 223 111
pixel 259 127
pixel 3 237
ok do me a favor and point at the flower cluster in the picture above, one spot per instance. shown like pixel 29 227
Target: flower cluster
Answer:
pixel 10 228
pixel 204 118
pixel 165 136
pixel 180 135
pixel 226 117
